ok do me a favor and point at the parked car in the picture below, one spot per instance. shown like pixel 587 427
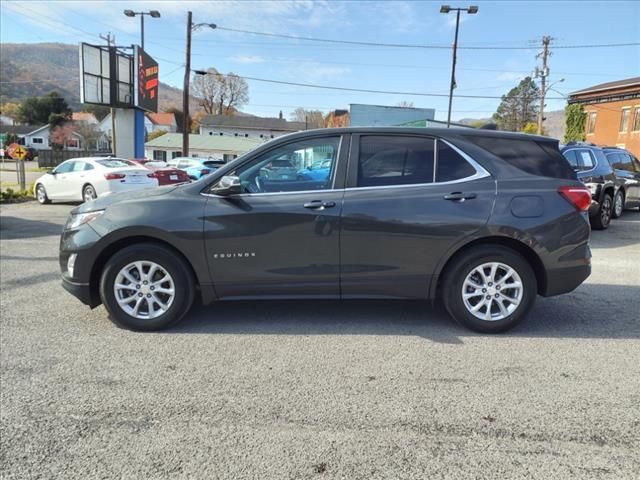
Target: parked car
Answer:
pixel 165 174
pixel 626 168
pixel 593 169
pixel 84 179
pixel 483 220
pixel 319 171
pixel 195 167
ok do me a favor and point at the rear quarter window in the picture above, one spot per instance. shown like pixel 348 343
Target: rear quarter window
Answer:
pixel 531 156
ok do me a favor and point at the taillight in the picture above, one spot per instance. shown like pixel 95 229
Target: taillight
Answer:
pixel 204 171
pixel 114 176
pixel 579 197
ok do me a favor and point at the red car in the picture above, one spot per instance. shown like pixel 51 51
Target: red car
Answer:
pixel 165 174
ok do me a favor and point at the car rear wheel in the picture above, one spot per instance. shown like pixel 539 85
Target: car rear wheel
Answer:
pixel 89 193
pixel 489 289
pixel 41 195
pixel 618 205
pixel 146 287
pixel 602 217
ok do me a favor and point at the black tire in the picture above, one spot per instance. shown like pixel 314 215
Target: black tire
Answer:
pixel 457 272
pixel 171 263
pixel 41 194
pixel 88 193
pixel 618 204
pixel 601 218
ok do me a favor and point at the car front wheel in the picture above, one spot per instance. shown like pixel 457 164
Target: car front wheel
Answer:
pixel 41 195
pixel 146 287
pixel 489 289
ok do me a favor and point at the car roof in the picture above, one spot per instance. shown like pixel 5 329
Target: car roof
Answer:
pixel 433 131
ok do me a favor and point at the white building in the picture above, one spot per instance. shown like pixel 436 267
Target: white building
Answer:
pixel 248 127
pixel 225 148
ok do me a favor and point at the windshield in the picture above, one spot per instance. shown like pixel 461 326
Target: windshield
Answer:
pixel 116 163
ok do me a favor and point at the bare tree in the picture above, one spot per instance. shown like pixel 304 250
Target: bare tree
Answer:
pixel 219 93
pixel 312 118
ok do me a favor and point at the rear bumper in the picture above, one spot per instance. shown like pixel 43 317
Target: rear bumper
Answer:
pixel 79 290
pixel 567 279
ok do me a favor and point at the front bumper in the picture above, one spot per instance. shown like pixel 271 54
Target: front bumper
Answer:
pixel 81 291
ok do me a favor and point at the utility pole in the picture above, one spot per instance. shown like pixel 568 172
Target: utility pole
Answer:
pixel 112 112
pixel 452 84
pixel 543 73
pixel 185 90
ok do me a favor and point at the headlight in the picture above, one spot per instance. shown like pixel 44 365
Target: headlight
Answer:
pixel 74 221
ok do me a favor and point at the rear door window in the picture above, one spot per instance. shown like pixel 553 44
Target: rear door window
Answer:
pixel 571 157
pixel 395 160
pixel 535 157
pixel 585 159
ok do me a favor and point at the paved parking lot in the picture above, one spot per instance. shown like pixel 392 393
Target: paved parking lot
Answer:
pixel 320 389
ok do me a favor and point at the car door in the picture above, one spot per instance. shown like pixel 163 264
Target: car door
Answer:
pixel 626 171
pixel 75 181
pixel 57 185
pixel 279 237
pixel 397 222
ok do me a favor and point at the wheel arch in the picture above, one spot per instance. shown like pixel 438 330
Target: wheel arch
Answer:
pixel 519 247
pixel 117 245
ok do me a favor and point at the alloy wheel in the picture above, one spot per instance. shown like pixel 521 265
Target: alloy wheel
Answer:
pixel 618 205
pixel 605 210
pixel 144 289
pixel 40 194
pixel 89 194
pixel 492 291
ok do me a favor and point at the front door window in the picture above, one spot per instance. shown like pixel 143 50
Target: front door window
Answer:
pixel 299 166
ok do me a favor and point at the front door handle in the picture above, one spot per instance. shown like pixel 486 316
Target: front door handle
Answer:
pixel 319 205
pixel 460 196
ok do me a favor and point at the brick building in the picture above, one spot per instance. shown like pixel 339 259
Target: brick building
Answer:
pixel 613 113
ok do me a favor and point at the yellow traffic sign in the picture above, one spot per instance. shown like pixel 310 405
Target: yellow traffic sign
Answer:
pixel 17 152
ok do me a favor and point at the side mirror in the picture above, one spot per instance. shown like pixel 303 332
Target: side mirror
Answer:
pixel 228 185
pixel 51 171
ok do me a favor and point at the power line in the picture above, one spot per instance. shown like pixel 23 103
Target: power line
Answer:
pixel 366 90
pixel 407 45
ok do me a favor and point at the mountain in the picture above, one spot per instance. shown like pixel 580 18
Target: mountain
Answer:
pixel 38 68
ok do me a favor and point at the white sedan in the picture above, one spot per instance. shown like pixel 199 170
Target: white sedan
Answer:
pixel 88 178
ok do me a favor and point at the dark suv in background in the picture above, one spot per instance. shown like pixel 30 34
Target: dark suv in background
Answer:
pixel 626 169
pixel 593 169
pixel 483 220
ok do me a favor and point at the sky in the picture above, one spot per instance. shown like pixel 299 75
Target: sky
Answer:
pixel 489 71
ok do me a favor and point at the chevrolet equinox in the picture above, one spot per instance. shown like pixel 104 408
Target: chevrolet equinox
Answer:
pixel 482 220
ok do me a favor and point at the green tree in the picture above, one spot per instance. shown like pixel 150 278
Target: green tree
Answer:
pixel 38 110
pixel 99 111
pixel 574 123
pixel 518 107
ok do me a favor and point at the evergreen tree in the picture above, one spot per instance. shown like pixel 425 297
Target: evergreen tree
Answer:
pixel 518 107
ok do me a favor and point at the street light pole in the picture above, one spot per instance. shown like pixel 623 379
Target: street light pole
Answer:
pixel 452 85
pixel 186 125
pixel 142 32
pixel 151 13
pixel 185 90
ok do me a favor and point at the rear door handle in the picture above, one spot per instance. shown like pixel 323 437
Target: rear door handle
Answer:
pixel 319 205
pixel 460 196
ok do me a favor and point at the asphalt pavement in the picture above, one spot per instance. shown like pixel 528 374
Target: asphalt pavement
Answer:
pixel 316 389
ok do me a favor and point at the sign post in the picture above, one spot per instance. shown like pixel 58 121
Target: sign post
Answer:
pixel 18 152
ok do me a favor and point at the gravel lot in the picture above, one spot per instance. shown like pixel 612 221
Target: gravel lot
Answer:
pixel 321 389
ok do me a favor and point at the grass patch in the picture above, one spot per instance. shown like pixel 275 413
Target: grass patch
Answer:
pixel 15 196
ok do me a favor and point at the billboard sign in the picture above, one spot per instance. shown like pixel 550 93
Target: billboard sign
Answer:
pixel 106 76
pixel 146 88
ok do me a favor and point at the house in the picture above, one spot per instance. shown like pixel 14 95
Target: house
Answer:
pixel 216 147
pixel 613 113
pixel 361 115
pixel 264 128
pixel 18 130
pixel 162 121
pixel 7 119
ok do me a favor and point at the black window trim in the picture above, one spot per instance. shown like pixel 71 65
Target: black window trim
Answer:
pixel 354 154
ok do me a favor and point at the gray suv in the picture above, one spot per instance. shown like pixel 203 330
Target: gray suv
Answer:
pixel 483 220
